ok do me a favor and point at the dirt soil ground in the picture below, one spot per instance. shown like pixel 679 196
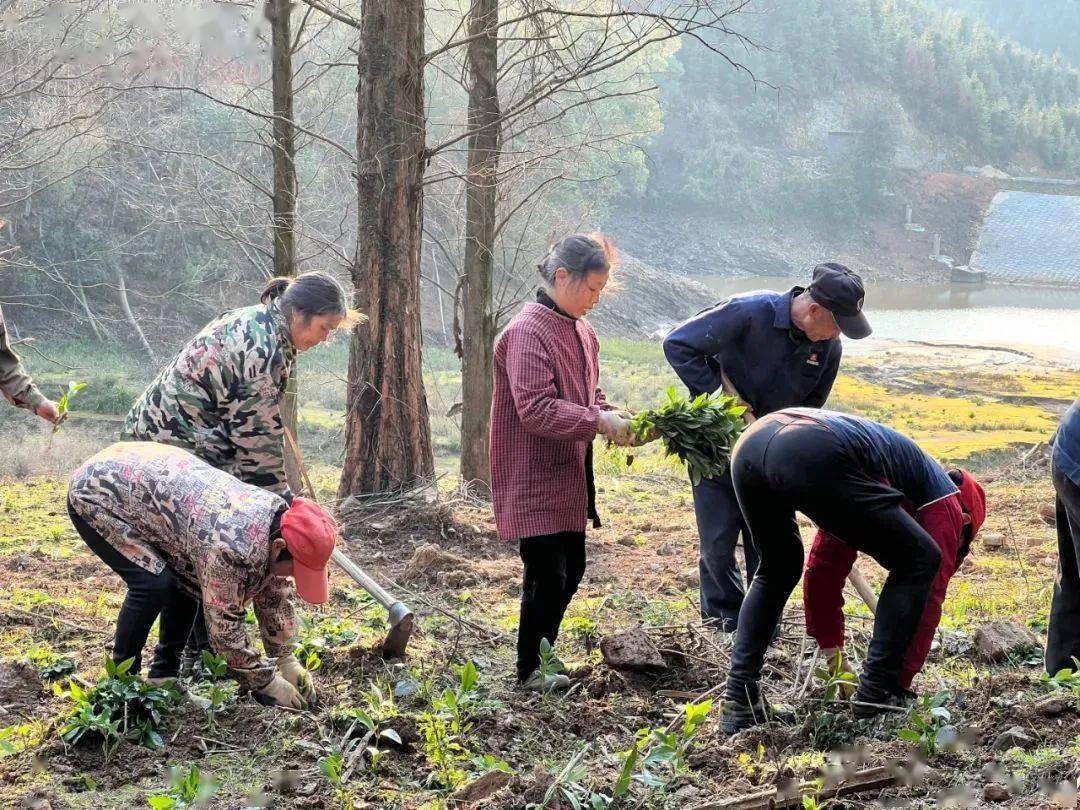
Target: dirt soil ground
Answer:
pixel 443 557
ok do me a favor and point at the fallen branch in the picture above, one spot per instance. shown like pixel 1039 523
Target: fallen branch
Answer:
pixel 859 782
pixel 58 620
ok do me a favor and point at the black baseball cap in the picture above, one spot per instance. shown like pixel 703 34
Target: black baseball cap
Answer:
pixel 840 291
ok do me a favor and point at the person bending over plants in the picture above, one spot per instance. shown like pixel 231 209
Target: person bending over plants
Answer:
pixel 178 530
pixel 851 476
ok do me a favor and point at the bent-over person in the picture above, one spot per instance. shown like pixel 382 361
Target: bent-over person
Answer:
pixel 178 530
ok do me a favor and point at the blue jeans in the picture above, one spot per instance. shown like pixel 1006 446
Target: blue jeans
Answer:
pixel 720 522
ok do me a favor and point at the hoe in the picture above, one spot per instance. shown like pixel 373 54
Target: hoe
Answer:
pixel 402 621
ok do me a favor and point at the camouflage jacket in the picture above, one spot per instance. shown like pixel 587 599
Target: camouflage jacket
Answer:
pixel 15 383
pixel 160 506
pixel 221 397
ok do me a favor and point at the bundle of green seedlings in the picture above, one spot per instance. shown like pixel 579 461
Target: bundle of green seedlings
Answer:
pixel 700 431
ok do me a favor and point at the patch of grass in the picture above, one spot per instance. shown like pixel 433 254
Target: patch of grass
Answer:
pixel 32 516
pixel 950 428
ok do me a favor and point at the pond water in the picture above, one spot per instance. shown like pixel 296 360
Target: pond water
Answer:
pixel 991 314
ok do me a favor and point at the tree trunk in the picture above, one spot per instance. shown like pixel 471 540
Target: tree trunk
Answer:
pixel 283 148
pixel 387 435
pixel 480 202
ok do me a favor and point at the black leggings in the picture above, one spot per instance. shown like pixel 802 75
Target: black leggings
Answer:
pixel 791 464
pixel 554 565
pixel 148 596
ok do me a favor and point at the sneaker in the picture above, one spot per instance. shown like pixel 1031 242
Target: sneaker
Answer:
pixel 546 683
pixel 870 701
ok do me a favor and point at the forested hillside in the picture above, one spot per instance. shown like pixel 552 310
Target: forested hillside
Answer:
pixel 1043 25
pixel 923 85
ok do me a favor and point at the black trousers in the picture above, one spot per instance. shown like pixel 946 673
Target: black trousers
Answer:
pixel 783 466
pixel 1063 634
pixel 148 597
pixel 554 565
pixel 719 522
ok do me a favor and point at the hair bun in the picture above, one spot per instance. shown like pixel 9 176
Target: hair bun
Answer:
pixel 274 288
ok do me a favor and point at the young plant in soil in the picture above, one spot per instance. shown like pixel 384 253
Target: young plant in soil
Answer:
pixel 215 668
pixel 187 789
pixel 446 726
pixel 120 707
pixel 583 629
pixel 332 767
pixel 663 752
pixel 839 681
pixel 929 723
pixel 50 665
pixel 700 431
pixel 568 786
pixel 1065 680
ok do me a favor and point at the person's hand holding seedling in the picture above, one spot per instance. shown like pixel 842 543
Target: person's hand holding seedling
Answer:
pixel 63 407
pixel 48 411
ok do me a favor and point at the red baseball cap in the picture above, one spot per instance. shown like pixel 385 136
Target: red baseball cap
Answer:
pixel 310 533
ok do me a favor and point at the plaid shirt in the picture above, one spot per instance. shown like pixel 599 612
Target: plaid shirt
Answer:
pixel 544 414
pixel 161 506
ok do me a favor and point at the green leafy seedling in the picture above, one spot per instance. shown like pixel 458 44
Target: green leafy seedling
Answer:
pixel 187 789
pixel 700 431
pixel 63 405
pixel 216 668
pixel 929 723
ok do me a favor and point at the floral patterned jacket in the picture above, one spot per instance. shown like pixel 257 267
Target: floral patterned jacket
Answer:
pixel 161 506
pixel 220 398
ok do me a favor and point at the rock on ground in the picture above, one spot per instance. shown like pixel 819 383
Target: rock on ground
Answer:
pixel 480 789
pixel 999 640
pixel 1014 737
pixel 1054 706
pixel 632 650
pixel 995 792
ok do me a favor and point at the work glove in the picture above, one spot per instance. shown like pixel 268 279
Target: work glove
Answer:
pixel 293 671
pixel 615 427
pixel 279 692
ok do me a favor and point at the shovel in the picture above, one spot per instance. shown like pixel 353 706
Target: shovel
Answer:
pixel 402 622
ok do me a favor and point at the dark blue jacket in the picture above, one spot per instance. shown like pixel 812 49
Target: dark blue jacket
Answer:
pixel 885 454
pixel 1067 444
pixel 750 337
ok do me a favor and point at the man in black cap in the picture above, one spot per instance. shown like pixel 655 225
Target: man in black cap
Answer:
pixel 773 350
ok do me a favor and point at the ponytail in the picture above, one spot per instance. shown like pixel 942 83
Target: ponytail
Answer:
pixel 274 288
pixel 311 294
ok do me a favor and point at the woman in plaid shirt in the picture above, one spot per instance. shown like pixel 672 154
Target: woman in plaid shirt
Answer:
pixel 546 410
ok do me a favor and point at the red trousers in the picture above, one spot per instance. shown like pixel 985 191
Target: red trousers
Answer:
pixel 831 559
